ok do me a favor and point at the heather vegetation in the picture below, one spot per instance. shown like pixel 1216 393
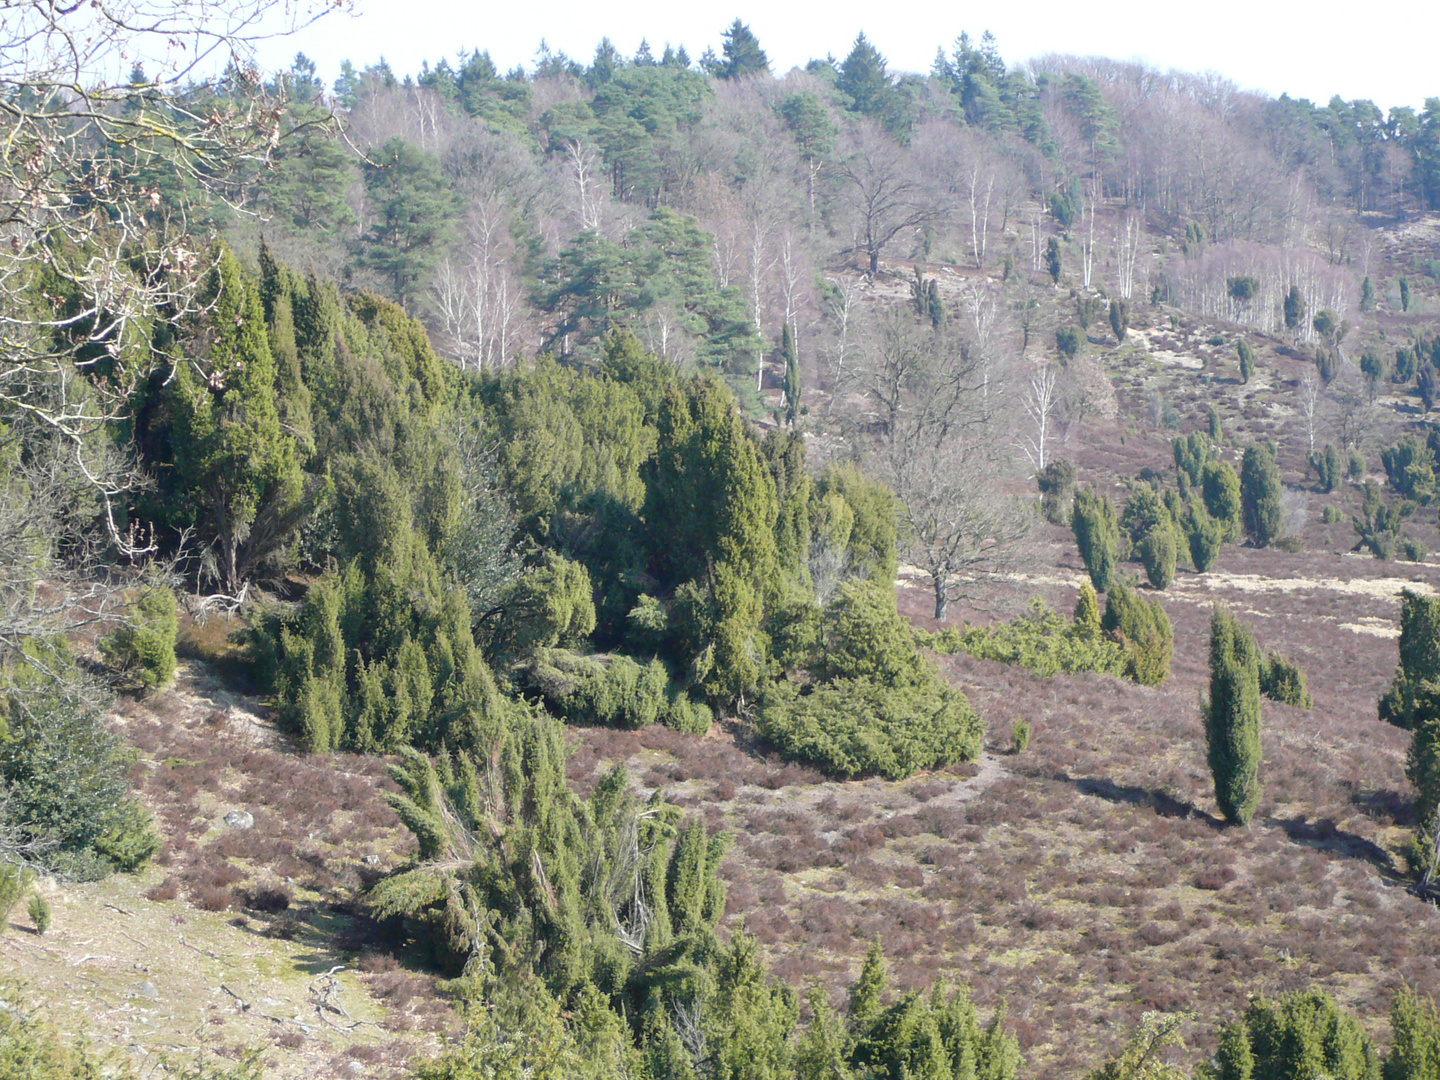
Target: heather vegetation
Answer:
pixel 612 525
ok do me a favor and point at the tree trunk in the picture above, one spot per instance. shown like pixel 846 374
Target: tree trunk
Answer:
pixel 942 601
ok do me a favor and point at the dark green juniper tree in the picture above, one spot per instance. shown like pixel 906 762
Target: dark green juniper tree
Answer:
pixel 1232 717
pixel 1097 534
pixel 1260 490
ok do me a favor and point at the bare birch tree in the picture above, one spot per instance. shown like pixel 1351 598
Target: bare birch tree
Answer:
pixel 1310 406
pixel 841 311
pixel 1128 234
pixel 1038 399
pixel 587 190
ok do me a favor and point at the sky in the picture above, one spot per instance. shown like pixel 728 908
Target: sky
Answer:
pixel 1307 49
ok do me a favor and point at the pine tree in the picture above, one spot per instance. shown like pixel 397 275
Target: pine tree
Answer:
pixel 742 53
pixel 1260 491
pixel 1052 259
pixel 410 210
pixel 864 79
pixel 814 134
pixel 1232 717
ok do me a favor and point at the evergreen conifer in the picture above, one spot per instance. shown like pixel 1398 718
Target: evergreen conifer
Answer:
pixel 1232 717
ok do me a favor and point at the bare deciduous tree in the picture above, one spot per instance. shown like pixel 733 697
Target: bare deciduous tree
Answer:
pixel 956 517
pixel 885 196
pixel 1086 395
pixel 588 193
pixel 475 298
pixel 841 311
pixel 1039 401
pixel 1128 235
pixel 1310 406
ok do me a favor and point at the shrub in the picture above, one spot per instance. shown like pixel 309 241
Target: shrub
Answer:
pixel 1232 717
pixel 1143 629
pixel 213 898
pixel 1378 523
pixel 1220 487
pixel 1408 697
pixel 1415 1030
pixel 613 691
pixel 39 912
pixel 1205 536
pixel 1144 512
pixel 1020 736
pixel 1327 466
pixel 1119 318
pixel 1247 359
pixel 684 714
pixel 1357 467
pixel 1097 534
pixel 1192 452
pixel 15 881
pixel 1414 549
pixel 1040 640
pixel 1306 1034
pixel 619 692
pixel 1422 769
pixel 143 649
pixel 858 727
pixel 1410 467
pixel 66 771
pixel 31 1048
pixel 1055 482
pixel 1157 552
pixel 1331 514
pixel 866 638
pixel 1087 613
pixel 1068 340
pixel 1283 680
pixel 269 899
pixel 884 708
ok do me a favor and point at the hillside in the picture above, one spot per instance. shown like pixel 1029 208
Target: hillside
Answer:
pixel 665 570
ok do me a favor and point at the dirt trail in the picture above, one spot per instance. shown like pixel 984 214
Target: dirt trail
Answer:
pixel 1186 586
